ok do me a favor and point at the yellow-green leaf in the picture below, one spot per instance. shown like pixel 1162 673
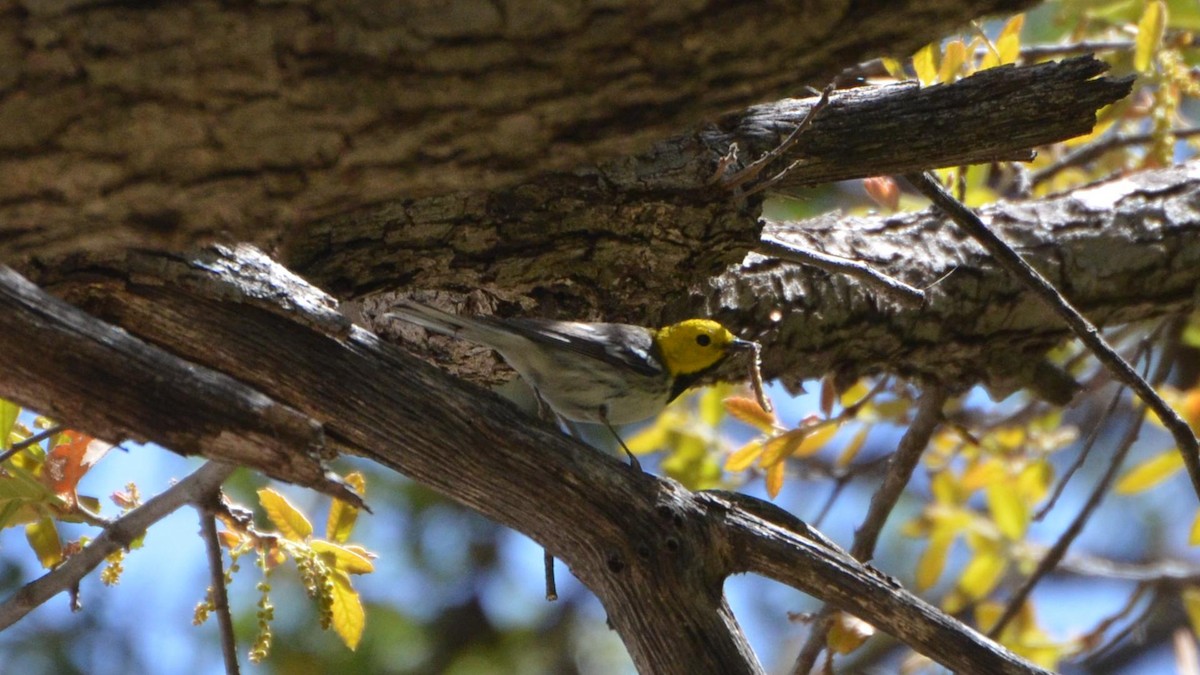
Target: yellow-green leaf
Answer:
pixel 854 394
pixel 1009 510
pixel 349 619
pixel 343 558
pixel 945 488
pixel 983 473
pixel 286 518
pixel 924 66
pixel 1008 44
pixel 847 633
pixel 743 457
pixel 1151 27
pixel 1009 48
pixel 1150 472
pixel 343 515
pixel 8 418
pixel 953 57
pixel 775 479
pixel 1194 537
pixel 893 68
pixel 711 407
pixel 780 447
pixel 982 574
pixel 43 539
pixel 933 559
pixel 749 411
pixel 818 439
pixel 1191 605
pixel 853 447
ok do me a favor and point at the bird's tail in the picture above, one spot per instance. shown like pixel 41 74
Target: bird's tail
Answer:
pixel 478 330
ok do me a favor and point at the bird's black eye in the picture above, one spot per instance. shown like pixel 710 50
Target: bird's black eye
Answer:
pixel 703 340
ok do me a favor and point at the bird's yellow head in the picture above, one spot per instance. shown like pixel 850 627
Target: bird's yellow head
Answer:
pixel 691 346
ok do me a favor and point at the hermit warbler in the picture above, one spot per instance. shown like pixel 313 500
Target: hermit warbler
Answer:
pixel 610 373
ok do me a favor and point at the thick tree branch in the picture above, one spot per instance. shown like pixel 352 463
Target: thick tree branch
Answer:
pixel 1119 251
pixel 68 362
pixel 1084 331
pixel 163 124
pixel 654 553
pixel 642 226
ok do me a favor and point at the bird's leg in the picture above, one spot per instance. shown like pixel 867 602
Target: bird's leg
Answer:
pixel 545 413
pixel 633 461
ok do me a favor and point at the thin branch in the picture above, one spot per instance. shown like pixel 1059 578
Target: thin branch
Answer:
pixel 893 288
pixel 551 584
pixel 1097 428
pixel 220 593
pixel 36 438
pixel 1087 153
pixel 769 541
pixel 900 469
pixel 1081 457
pixel 1056 552
pixel 875 67
pixel 1189 447
pixel 752 170
pixel 116 536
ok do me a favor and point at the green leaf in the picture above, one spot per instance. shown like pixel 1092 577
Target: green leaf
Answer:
pixel 933 559
pixel 43 539
pixel 1149 473
pixel 343 558
pixel 8 418
pixel 982 574
pixel 743 457
pixel 1009 509
pixel 286 518
pixel 1151 27
pixel 924 66
pixel 343 515
pixel 349 619
pixel 1191 605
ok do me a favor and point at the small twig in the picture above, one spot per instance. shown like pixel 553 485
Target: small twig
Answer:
pixel 900 469
pixel 727 160
pixel 1087 153
pixel 1082 456
pixel 1110 621
pixel 1099 426
pixel 1087 333
pixel 117 536
pixel 875 67
pixel 895 289
pixel 1056 552
pixel 752 170
pixel 36 438
pixel 1135 625
pixel 220 594
pixel 551 584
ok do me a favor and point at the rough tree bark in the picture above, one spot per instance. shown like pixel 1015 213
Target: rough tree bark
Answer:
pixel 168 124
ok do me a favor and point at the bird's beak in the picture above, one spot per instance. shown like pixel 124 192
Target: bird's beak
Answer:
pixel 744 345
